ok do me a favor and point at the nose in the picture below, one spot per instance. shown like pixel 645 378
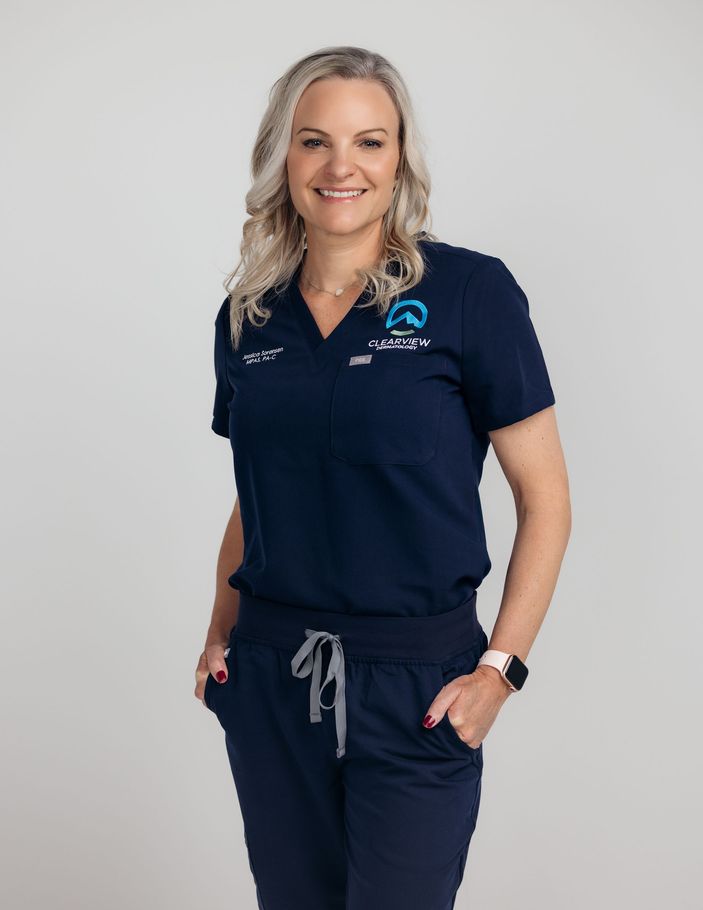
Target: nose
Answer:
pixel 340 164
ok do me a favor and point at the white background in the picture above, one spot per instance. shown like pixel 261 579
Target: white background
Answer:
pixel 565 138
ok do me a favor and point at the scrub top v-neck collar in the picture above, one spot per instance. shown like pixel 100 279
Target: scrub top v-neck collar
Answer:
pixel 319 347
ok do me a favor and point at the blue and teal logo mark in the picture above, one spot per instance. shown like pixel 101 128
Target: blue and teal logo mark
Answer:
pixel 412 313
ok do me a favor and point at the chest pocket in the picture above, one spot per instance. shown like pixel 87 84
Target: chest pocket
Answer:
pixel 387 411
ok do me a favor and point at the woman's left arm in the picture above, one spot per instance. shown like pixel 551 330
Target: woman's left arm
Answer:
pixel 530 455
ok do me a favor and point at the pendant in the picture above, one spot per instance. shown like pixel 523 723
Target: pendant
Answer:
pixel 339 292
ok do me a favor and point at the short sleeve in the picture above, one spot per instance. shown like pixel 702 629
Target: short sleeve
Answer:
pixel 223 388
pixel 504 374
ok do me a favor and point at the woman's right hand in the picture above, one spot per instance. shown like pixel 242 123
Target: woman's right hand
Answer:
pixel 212 661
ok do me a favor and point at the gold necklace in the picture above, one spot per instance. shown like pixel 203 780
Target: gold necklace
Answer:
pixel 336 293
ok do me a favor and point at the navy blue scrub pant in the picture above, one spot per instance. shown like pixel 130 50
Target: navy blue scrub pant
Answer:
pixel 348 802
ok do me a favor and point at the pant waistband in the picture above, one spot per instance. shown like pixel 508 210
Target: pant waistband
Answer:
pixel 436 637
pixel 431 638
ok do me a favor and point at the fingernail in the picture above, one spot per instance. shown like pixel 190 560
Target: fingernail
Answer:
pixel 429 721
pixel 221 675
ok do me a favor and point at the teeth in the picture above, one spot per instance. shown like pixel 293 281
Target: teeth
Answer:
pixel 338 195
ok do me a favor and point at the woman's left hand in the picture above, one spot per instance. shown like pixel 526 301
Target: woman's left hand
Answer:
pixel 471 702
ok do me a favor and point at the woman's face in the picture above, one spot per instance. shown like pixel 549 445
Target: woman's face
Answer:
pixel 344 136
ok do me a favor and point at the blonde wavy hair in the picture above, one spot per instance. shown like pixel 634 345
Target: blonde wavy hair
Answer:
pixel 274 238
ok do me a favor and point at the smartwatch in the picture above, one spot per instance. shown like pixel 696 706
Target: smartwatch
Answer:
pixel 512 669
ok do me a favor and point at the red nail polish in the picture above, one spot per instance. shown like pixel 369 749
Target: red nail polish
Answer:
pixel 221 675
pixel 429 721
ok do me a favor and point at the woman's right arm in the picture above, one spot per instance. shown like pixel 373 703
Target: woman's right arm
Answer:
pixel 226 607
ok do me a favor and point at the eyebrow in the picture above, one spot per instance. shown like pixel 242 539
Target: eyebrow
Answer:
pixel 312 129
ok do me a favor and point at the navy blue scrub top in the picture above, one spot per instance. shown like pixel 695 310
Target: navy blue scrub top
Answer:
pixel 357 458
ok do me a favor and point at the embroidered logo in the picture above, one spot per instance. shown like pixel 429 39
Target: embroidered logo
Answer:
pixel 412 313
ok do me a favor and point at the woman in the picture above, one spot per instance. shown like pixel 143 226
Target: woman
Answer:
pixel 363 367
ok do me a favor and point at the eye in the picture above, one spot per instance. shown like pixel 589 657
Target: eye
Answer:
pixel 374 143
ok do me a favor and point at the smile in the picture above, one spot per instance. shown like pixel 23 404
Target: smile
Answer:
pixel 339 194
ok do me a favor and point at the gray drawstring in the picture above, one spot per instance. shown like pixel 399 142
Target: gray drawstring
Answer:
pixel 309 658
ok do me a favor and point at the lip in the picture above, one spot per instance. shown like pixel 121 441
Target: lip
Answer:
pixel 340 200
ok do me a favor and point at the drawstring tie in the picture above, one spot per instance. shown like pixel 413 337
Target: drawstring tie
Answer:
pixel 308 659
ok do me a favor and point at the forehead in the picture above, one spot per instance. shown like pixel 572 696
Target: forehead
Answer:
pixel 345 105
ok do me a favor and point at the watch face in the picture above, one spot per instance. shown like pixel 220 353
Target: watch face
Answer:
pixel 516 672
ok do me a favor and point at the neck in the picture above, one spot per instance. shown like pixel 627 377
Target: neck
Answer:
pixel 332 265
